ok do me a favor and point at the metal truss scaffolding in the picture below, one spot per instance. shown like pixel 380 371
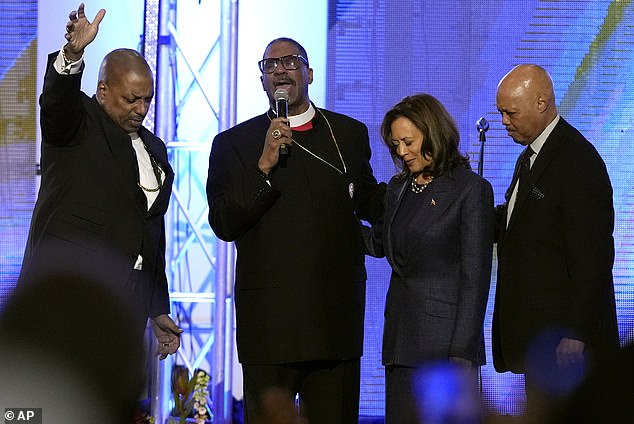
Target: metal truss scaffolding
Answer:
pixel 192 47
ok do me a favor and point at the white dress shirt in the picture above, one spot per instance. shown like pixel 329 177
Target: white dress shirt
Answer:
pixel 536 145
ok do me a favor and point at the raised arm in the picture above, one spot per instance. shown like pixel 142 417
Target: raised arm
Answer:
pixel 61 107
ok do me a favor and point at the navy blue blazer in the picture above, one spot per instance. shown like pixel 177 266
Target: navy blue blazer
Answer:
pixel 437 297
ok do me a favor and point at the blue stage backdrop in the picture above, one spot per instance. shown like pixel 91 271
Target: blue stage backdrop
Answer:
pixel 18 30
pixel 382 50
pixel 378 52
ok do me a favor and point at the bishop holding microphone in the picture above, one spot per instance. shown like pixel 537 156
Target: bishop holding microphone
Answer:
pixel 289 188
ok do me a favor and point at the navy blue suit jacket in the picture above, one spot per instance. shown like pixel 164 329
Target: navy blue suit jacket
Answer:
pixel 437 298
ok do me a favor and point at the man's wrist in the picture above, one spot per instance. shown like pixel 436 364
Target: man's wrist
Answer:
pixel 70 57
pixel 264 174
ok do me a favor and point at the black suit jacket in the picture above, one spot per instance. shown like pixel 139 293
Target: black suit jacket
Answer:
pixel 91 218
pixel 555 257
pixel 300 274
pixel 439 288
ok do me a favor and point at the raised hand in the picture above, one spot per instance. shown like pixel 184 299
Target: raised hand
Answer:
pixel 80 31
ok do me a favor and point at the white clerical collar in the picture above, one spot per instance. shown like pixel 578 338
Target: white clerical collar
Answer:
pixel 302 118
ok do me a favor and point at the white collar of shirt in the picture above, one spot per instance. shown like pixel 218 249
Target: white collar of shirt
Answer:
pixel 538 143
pixel 302 118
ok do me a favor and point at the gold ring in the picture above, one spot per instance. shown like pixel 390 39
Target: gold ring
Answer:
pixel 276 134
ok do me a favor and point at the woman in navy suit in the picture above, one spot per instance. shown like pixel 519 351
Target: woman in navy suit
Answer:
pixel 437 235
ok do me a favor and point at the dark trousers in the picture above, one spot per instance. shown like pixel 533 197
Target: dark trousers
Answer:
pixel 439 391
pixel 400 401
pixel 545 401
pixel 549 384
pixel 328 392
pixel 139 286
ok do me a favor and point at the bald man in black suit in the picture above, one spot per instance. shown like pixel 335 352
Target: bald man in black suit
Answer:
pixel 554 306
pixel 106 183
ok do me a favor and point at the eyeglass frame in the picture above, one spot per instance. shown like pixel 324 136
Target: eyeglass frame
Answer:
pixel 280 61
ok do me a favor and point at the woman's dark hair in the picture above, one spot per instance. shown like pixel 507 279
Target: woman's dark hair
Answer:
pixel 440 134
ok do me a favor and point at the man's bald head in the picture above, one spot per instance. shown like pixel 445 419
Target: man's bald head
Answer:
pixel 529 80
pixel 526 100
pixel 125 88
pixel 120 62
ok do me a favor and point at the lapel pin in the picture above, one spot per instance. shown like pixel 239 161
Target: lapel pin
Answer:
pixel 433 202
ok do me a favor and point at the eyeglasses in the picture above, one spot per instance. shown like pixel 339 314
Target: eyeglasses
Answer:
pixel 290 63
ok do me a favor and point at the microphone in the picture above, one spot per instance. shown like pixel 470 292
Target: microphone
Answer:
pixel 281 108
pixel 482 126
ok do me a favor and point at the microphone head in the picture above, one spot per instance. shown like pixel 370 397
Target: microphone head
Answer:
pixel 482 125
pixel 280 94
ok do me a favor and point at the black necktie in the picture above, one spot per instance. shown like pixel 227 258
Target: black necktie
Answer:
pixel 525 166
pixel 522 169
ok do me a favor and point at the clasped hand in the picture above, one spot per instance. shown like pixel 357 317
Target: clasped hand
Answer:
pixel 167 335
